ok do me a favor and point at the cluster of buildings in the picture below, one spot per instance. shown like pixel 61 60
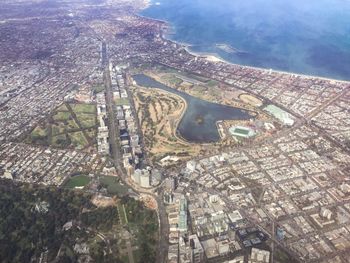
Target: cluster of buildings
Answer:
pixel 295 96
pixel 294 187
pixel 142 177
pixel 33 83
pixel 288 189
pixel 334 120
pixel 290 182
pixel 11 85
pixel 44 165
pixel 146 177
pixel 24 111
pixel 84 94
pixel 102 130
pixel 35 80
pixel 129 139
pixel 204 229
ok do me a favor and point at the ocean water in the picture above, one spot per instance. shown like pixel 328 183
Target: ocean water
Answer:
pixel 303 36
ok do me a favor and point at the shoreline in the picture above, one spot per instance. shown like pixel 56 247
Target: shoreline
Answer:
pixel 179 119
pixel 253 114
pixel 240 107
pixel 215 58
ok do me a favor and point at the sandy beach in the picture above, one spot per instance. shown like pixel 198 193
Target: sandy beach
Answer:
pixel 213 57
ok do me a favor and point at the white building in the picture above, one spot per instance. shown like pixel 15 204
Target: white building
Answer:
pixel 259 256
pixel 191 166
pixel 136 176
pixel 145 179
pixel 283 116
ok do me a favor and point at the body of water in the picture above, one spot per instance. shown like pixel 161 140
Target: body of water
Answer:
pixel 198 123
pixel 310 37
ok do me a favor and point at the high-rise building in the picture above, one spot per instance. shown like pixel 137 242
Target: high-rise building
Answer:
pixel 156 174
pixel 145 179
pixel 136 176
pixel 182 227
pixel 168 198
pixel 197 251
pixel 142 177
pixel 170 184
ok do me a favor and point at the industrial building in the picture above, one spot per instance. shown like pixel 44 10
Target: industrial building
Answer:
pixel 280 114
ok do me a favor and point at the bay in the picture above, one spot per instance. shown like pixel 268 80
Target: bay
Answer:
pixel 308 37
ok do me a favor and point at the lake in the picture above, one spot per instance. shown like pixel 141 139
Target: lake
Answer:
pixel 198 123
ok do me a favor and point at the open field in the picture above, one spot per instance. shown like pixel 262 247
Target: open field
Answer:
pixel 91 132
pixel 83 107
pixel 61 116
pixel 39 132
pixel 63 107
pixel 159 112
pixel 61 140
pixel 77 181
pixel 143 224
pixel 113 186
pixel 60 128
pixel 99 88
pixel 171 79
pixel 70 126
pixel 86 120
pixel 78 139
pixel 121 101
pixel 104 201
pixel 250 99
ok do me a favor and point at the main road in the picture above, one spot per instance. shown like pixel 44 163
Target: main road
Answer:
pixel 115 151
pixel 112 126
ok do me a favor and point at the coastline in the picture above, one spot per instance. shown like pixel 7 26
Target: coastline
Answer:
pixel 212 57
pixel 215 58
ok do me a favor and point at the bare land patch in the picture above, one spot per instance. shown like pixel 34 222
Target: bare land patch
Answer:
pixel 250 99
